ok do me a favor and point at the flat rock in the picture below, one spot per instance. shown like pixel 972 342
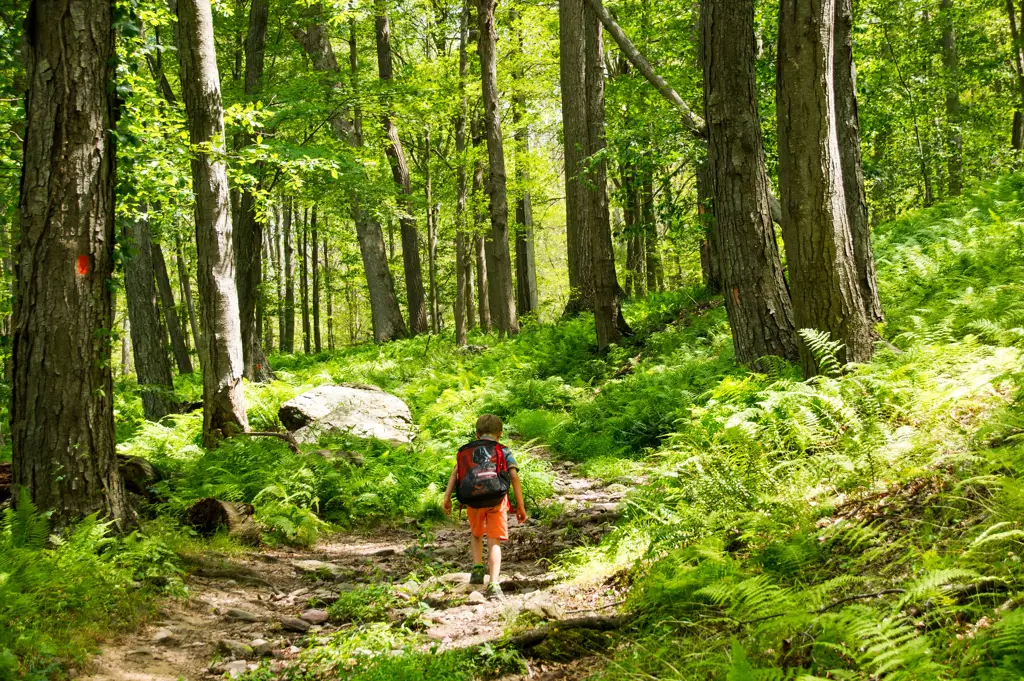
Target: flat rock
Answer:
pixel 235 649
pixel 313 566
pixel 165 637
pixel 364 411
pixel 295 624
pixel 477 598
pixel 261 647
pixel 236 668
pixel 314 616
pixel 239 614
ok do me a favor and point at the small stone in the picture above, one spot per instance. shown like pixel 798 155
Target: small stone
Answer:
pixel 315 616
pixel 617 488
pixel 235 649
pixel 410 587
pixel 261 647
pixel 295 624
pixel 140 652
pixel 318 566
pixel 384 553
pixel 165 637
pixel 239 614
pixel 236 668
pixel 477 598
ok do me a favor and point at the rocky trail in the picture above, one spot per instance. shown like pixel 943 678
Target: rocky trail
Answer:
pixel 272 605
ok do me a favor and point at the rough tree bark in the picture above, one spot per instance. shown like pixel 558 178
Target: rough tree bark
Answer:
pixel 816 231
pixel 249 228
pixel 710 261
pixel 220 355
pixel 499 262
pixel 652 258
pixel 152 366
pixel 951 64
pixel 288 309
pixel 400 172
pixel 62 412
pixel 526 260
pixel 385 312
pixel 742 236
pixel 304 278
pixel 463 266
pixel 608 320
pixel 170 311
pixel 314 253
pixel 848 131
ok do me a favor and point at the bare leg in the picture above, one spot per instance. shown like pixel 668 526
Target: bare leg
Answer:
pixel 494 558
pixel 477 545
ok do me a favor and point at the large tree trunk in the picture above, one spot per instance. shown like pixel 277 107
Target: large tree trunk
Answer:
pixel 526 259
pixel 950 62
pixel 288 309
pixel 220 355
pixel 848 131
pixel 463 266
pixel 816 231
pixel 152 366
pixel 742 238
pixel 315 258
pixel 304 278
pixel 400 173
pixel 608 320
pixel 62 411
pixel 710 260
pixel 170 311
pixel 572 60
pixel 249 228
pixel 499 262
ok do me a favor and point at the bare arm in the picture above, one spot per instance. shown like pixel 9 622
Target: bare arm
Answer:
pixel 446 504
pixel 517 488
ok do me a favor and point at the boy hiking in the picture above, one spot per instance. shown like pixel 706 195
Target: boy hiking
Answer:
pixel 484 471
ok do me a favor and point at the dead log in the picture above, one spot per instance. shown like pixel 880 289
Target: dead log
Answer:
pixel 529 639
pixel 209 515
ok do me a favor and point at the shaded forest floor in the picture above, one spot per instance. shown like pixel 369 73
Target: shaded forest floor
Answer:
pixel 246 604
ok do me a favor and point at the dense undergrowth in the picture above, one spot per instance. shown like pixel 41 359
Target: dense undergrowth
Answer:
pixel 864 524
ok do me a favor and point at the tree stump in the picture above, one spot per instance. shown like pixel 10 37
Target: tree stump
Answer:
pixel 208 515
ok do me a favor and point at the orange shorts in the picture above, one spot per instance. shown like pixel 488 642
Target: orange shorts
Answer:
pixel 490 521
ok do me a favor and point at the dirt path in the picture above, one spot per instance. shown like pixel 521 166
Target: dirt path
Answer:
pixel 242 608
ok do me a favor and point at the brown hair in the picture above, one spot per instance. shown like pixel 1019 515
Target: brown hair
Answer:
pixel 488 424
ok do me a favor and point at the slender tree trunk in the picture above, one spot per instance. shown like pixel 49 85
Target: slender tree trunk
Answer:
pixel 62 412
pixel 652 260
pixel 742 238
pixel 152 366
pixel 279 273
pixel 710 260
pixel 314 254
pixel 400 172
pixel 288 311
pixel 170 312
pixel 463 266
pixel 633 233
pixel 435 322
pixel 848 131
pixel 220 355
pixel 950 62
pixel 1018 67
pixel 265 313
pixel 499 263
pixel 816 230
pixel 248 227
pixel 479 212
pixel 126 355
pixel 304 279
pixel 572 52
pixel 526 260
pixel 387 316
pixel 186 289
pixel 330 302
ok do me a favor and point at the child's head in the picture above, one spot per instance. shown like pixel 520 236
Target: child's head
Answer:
pixel 488 424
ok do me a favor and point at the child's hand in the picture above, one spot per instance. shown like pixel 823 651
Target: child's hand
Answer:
pixel 520 514
pixel 447 505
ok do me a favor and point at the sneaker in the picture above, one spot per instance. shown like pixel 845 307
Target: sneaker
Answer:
pixel 494 592
pixel 476 576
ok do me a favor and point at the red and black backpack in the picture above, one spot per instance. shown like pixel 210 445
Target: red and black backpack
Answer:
pixel 482 478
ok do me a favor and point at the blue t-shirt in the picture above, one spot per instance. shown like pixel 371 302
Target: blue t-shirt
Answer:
pixel 510 460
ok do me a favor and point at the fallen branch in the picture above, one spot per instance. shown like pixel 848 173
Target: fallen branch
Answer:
pixel 529 639
pixel 293 444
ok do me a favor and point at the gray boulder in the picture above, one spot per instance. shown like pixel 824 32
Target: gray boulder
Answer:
pixel 364 411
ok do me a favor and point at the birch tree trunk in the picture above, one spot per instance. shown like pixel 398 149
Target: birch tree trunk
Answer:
pixel 220 354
